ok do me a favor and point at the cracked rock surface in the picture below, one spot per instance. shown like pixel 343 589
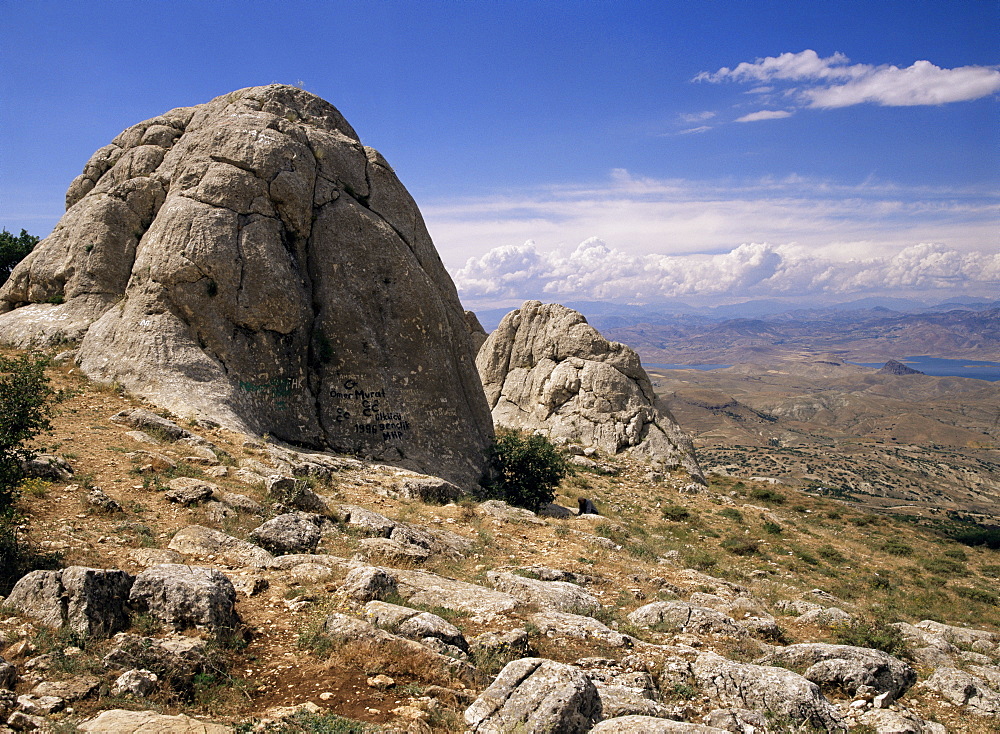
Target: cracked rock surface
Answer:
pixel 248 261
pixel 546 369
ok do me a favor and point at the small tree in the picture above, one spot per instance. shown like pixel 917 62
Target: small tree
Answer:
pixel 25 407
pixel 13 250
pixel 526 469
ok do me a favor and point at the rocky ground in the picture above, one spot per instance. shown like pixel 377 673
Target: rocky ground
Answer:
pixel 243 585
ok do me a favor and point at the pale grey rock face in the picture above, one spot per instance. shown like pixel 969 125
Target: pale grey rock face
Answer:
pixel 248 261
pixel 546 369
pixel 533 694
pixel 186 596
pixel 89 601
pixel 8 675
pixel 776 692
pixel 845 667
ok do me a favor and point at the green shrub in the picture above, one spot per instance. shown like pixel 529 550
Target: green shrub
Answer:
pixel 733 514
pixel 828 553
pixel 873 632
pixel 896 547
pixel 980 595
pixel 767 495
pixel 13 250
pixel 526 469
pixel 741 546
pixel 25 398
pixel 675 513
pixel 772 528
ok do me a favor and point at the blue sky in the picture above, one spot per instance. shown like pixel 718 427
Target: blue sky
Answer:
pixel 709 151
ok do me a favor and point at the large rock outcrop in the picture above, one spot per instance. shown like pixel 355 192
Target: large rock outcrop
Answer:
pixel 546 369
pixel 249 261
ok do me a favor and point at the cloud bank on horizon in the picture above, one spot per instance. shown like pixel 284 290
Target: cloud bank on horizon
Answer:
pixel 595 271
pixel 807 80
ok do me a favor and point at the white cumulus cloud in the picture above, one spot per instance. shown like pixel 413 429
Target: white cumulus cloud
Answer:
pixel 596 271
pixel 832 81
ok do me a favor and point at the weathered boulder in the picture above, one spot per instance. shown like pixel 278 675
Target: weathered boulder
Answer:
pixel 414 624
pixel 175 659
pixel 89 601
pixel 680 616
pixel 249 262
pixel 534 694
pixel 186 596
pixel 8 675
pixel 964 689
pixel 776 692
pixel 135 682
pixel 624 690
pixel 290 533
pixel 845 667
pixel 423 488
pixel 369 583
pixel 576 626
pixel 48 466
pixel 429 589
pixel 546 369
pixel 199 541
pixel 189 491
pixel 561 596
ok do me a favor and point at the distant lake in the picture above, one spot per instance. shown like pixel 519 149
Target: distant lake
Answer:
pixel 940 367
pixel 658 366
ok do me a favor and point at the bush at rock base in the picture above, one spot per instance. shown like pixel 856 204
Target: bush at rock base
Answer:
pixel 25 398
pixel 526 469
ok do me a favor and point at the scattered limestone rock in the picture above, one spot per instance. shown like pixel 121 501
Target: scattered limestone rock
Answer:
pixel 186 596
pixel 289 533
pixel 964 689
pixel 652 725
pixel 135 682
pixel 899 722
pixel 741 721
pixel 957 635
pixel 48 466
pixel 533 694
pixel 89 601
pixel 624 691
pixel 239 502
pixel 502 647
pixel 368 521
pixel 679 616
pixel 422 488
pixel 141 722
pixel 98 499
pixel 8 675
pixel 176 659
pixel 294 493
pixel 845 667
pixel 546 369
pixel 369 583
pixel 199 541
pixel 145 420
pixel 561 596
pixel 429 589
pixel 189 491
pixel 414 624
pixel 500 510
pixel 775 692
pixel 564 624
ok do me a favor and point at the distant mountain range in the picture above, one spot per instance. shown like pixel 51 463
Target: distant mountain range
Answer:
pixel 867 330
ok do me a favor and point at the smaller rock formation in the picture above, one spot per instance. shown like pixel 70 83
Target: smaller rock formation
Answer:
pixel 186 596
pixel 546 369
pixel 533 694
pixel 892 367
pixel 89 601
